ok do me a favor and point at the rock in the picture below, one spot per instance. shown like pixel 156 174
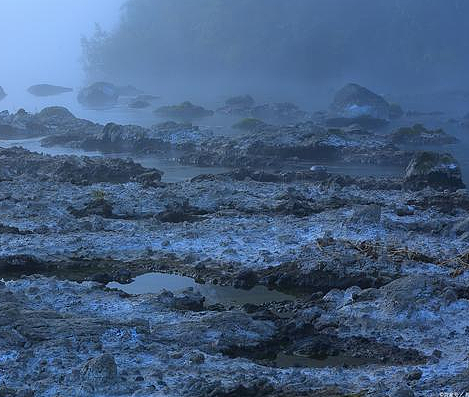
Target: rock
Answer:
pixel 367 214
pixel 249 124
pixel 21 263
pixel 2 93
pixel 197 358
pixel 99 95
pixel 414 375
pixel 436 170
pixel 402 391
pixel 185 111
pixel 406 210
pixel 354 100
pixel 189 300
pixel 150 179
pixel 98 206
pixel 419 135
pixel 246 279
pixel 115 138
pixel 395 111
pixel 48 90
pixel 178 212
pixel 99 371
pixel 19 162
pixel 102 278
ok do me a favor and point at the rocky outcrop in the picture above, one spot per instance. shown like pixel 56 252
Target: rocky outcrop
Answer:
pixel 186 111
pixel 354 100
pixel 430 169
pixel 42 90
pixel 55 120
pixel 17 162
pixel 419 135
pixel 99 95
pixel 269 145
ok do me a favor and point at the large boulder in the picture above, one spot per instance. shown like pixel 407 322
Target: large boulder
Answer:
pixel 2 93
pixel 48 90
pixel 99 95
pixel 436 170
pixel 354 100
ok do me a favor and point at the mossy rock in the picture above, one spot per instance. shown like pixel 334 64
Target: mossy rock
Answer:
pixel 249 124
pixel 184 111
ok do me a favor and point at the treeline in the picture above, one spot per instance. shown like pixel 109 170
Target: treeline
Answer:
pixel 407 41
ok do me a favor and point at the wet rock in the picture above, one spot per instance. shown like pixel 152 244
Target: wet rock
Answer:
pixel 102 278
pixel 78 170
pixel 189 300
pixel 42 90
pixel 99 371
pixel 354 100
pixel 185 111
pixel 21 263
pixel 2 93
pixel 99 95
pixel 419 135
pixel 436 170
pixel 197 358
pixel 246 279
pixel 150 179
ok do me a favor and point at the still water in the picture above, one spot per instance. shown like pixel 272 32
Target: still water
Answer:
pixel 154 283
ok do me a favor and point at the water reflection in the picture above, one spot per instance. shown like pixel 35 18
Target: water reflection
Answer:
pixel 156 282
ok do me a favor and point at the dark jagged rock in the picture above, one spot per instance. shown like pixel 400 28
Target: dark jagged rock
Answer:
pixel 99 207
pixel 99 371
pixel 354 100
pixel 120 138
pixel 55 120
pixel 99 95
pixel 21 264
pixel 419 135
pixel 436 170
pixel 270 146
pixel 178 212
pixel 184 111
pixel 17 162
pixel 2 93
pixel 48 90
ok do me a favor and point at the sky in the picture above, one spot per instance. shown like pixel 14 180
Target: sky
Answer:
pixel 41 38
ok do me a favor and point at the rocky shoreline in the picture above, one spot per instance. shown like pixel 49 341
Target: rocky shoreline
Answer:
pixel 370 271
pixel 377 265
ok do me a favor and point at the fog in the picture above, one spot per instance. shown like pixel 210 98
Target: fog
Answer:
pixel 41 41
pixel 300 51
